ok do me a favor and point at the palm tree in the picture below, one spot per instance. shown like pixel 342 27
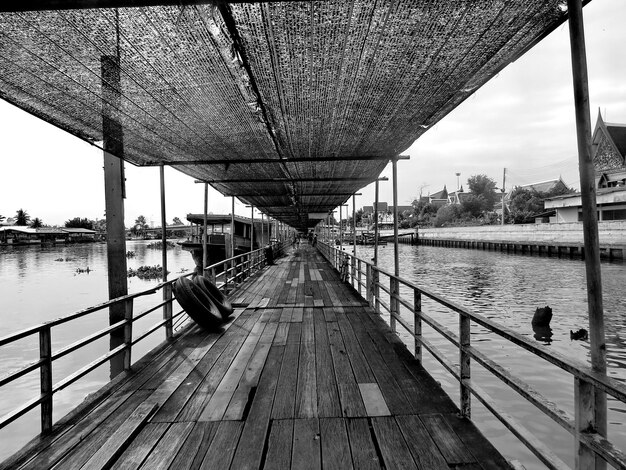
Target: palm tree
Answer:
pixel 141 225
pixel 22 217
pixel 36 223
pixel 2 218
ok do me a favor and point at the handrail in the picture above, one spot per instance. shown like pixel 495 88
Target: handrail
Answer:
pixel 237 267
pixel 590 441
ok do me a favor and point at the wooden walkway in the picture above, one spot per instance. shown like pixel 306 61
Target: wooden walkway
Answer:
pixel 306 376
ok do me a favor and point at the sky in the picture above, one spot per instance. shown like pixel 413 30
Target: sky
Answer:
pixel 522 120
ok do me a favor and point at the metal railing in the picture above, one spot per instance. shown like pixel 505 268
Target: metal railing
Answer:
pixel 225 274
pixel 589 444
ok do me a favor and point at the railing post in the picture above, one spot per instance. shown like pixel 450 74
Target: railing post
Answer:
pixel 213 276
pixel 359 275
pixel 376 288
pixel 464 361
pixel 128 333
pixel 45 377
pixel 167 312
pixel 393 303
pixel 352 270
pixel 584 412
pixel 417 323
pixel 369 291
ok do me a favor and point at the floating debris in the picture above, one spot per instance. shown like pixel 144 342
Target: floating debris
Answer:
pixel 59 259
pixel 147 272
pixel 183 270
pixel 83 270
pixel 159 245
pixel 130 254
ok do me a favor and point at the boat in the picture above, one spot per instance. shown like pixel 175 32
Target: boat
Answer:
pixel 219 238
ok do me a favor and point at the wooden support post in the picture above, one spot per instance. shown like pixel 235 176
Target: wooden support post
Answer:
pixel 354 239
pixel 464 361
pixel 395 305
pixel 252 230
pixel 167 290
pixel 376 224
pixel 205 250
pixel 584 409
pixel 590 222
pixel 417 324
pixel 233 263
pixel 262 229
pixel 340 227
pixel 128 333
pixel 45 378
pixel 114 193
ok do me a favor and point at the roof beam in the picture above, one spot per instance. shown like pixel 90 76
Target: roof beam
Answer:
pixel 293 180
pixel 265 196
pixel 250 161
pixel 39 5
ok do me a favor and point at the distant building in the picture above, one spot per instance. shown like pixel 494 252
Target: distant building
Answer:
pixel 385 213
pixel 609 161
pixel 23 235
pixel 540 187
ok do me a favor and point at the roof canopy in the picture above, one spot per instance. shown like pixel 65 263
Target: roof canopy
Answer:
pixel 291 106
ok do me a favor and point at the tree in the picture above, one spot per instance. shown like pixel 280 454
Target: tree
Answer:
pixel 22 217
pixel 473 205
pixel 2 218
pixel 527 203
pixel 447 214
pixel 36 223
pixel 177 221
pixel 140 225
pixel 78 222
pixel 359 216
pixel 482 185
pixel 99 225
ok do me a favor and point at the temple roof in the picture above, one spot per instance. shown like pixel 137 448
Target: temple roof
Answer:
pixel 291 106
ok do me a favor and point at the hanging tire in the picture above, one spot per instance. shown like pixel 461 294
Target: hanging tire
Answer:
pixel 198 305
pixel 216 295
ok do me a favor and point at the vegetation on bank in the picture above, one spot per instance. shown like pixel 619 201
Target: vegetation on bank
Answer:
pixel 480 205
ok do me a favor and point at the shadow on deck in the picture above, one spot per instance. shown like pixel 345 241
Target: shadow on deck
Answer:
pixel 306 376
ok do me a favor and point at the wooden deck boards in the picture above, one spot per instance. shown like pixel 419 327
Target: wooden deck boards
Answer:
pixel 305 376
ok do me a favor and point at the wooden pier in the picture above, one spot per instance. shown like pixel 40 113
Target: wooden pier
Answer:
pixel 305 376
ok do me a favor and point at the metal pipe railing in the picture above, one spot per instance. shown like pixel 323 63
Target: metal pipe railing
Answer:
pixel 583 375
pixel 234 269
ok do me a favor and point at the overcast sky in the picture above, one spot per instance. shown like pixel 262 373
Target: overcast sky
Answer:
pixel 522 120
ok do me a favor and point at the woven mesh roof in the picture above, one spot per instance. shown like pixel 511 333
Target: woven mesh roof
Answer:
pixel 320 82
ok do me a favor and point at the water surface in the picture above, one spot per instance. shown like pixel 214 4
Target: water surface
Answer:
pixel 38 284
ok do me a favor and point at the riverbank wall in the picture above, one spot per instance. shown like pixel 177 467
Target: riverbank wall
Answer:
pixel 564 239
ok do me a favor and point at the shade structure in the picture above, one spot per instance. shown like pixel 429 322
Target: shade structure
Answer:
pixel 288 105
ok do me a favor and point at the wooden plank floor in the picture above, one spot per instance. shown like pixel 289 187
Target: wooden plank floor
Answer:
pixel 306 376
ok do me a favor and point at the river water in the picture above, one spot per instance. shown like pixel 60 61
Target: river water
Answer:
pixel 36 286
pixel 39 284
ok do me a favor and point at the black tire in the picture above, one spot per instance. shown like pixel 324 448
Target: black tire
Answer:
pixel 198 305
pixel 216 295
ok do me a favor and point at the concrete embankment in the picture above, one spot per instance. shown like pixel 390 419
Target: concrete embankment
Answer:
pixel 550 239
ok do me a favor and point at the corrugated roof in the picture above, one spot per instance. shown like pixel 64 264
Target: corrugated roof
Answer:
pixel 289 105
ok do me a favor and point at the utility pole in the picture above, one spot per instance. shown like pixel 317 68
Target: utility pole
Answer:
pixel 503 192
